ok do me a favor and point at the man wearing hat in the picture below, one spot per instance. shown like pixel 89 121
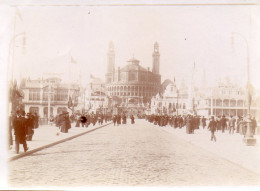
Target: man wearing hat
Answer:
pixel 223 123
pixel 212 127
pixel 20 131
pixel 30 126
pixel 231 124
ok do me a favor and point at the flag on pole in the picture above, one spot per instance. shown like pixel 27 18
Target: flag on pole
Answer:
pixel 72 60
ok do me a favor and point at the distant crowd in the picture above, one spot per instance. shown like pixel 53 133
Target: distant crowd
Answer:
pixel 24 124
pixel 193 122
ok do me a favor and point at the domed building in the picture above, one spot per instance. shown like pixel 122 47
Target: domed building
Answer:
pixel 133 85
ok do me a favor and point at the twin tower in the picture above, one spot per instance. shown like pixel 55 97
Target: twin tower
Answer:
pixel 111 61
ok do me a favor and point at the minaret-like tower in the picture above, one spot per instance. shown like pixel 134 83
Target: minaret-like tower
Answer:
pixel 110 62
pixel 156 59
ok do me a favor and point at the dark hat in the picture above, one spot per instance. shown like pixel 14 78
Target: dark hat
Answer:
pixel 23 112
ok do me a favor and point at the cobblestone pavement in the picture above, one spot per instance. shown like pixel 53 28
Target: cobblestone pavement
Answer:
pixel 127 155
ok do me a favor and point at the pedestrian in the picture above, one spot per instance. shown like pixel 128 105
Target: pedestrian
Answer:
pixel 238 124
pixel 254 125
pixel 193 124
pixel 218 123
pixel 203 121
pixel 124 119
pixel 212 127
pixel 189 124
pixel 223 123
pixel 30 127
pixel 20 131
pixel 231 124
pixel 65 122
pixel 242 126
pixel 68 122
pixel 132 119
pixel 36 120
pixel 114 119
pixel 118 120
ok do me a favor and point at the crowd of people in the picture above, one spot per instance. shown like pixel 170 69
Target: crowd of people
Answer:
pixel 177 121
pixel 24 125
pixel 85 119
pixel 118 119
pixel 193 122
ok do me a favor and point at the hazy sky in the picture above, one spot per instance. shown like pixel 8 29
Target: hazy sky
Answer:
pixel 186 34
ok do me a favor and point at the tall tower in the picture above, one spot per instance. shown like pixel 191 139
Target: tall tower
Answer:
pixel 156 58
pixel 110 62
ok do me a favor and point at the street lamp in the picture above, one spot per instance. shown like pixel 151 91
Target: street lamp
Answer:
pixel 249 137
pixel 12 45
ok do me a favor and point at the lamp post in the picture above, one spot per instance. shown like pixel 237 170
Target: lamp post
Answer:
pixel 50 93
pixel 249 137
pixel 12 45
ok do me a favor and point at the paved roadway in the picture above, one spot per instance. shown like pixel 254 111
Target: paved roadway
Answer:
pixel 127 155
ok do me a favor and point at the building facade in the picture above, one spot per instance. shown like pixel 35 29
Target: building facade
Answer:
pixel 39 94
pixel 133 85
pixel 172 101
pixel 227 99
pixel 96 100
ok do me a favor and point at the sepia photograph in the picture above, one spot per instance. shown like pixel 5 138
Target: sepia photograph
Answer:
pixel 129 94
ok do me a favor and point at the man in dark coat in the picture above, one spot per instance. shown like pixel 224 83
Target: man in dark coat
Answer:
pixel 203 121
pixel 189 124
pixel 238 124
pixel 124 119
pixel 254 125
pixel 114 119
pixel 118 119
pixel 36 120
pixel 223 123
pixel 212 127
pixel 65 122
pixel 132 119
pixel 30 127
pixel 20 131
